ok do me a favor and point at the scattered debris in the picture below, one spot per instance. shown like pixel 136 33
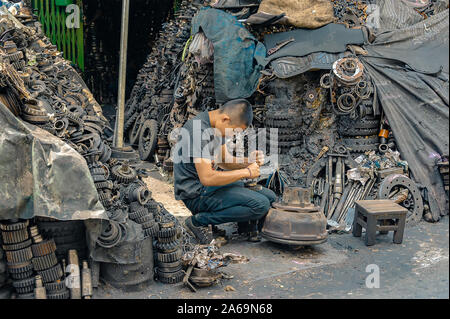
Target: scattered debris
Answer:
pixel 203 263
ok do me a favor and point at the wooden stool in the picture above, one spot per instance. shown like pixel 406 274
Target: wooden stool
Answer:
pixel 369 212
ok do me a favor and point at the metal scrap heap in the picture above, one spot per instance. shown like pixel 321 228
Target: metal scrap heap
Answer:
pixel 324 105
pixel 40 87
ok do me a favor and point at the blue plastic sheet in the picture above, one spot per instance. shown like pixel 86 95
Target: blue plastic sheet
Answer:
pixel 238 56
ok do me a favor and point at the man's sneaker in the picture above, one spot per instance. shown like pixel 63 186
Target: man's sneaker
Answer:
pixel 254 237
pixel 247 227
pixel 203 234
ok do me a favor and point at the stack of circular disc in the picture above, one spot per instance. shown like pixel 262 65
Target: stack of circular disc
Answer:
pixel 17 247
pixel 169 266
pixel 360 135
pixel 5 293
pixel 140 214
pixel 45 263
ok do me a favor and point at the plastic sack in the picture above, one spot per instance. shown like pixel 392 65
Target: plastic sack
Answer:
pixel 202 49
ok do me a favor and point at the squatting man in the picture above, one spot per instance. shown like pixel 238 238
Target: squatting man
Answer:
pixel 209 180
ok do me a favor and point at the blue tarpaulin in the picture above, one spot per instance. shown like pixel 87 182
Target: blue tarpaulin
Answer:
pixel 238 56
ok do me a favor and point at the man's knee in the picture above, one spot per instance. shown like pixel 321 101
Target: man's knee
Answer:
pixel 261 207
pixel 271 196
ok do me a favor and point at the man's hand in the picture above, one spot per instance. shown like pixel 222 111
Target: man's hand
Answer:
pixel 210 177
pixel 257 157
pixel 254 169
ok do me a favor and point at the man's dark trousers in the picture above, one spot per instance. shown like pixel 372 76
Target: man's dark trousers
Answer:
pixel 230 203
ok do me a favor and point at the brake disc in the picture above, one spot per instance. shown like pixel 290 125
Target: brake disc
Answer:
pixel 413 203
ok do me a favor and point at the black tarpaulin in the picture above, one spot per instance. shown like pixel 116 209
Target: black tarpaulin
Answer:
pixel 409 68
pixel 332 38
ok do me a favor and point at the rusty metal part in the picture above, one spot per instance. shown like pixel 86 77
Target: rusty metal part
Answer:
pixel 86 281
pixel 53 274
pixel 414 200
pixel 138 193
pixel 44 262
pixel 39 291
pixel 15 237
pixel 74 267
pixel 111 235
pixel 123 173
pixel 18 268
pixel 19 256
pixel 204 278
pixel 131 276
pixel 348 70
pixel 170 278
pixel 24 286
pixel 14 226
pixel 18 246
pixel 298 223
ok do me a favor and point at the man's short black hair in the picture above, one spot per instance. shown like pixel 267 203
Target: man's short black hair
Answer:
pixel 240 111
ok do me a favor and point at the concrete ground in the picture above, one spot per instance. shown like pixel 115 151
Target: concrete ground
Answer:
pixel 418 268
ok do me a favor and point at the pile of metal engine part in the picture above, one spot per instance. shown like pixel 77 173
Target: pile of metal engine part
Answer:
pixel 32 262
pixel 203 263
pixel 325 119
pixel 169 268
pixel 39 86
pixel 444 170
pixel 4 292
pixel 352 13
pixel 150 112
pixel 102 19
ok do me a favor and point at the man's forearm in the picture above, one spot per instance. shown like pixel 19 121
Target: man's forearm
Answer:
pixel 235 164
pixel 218 178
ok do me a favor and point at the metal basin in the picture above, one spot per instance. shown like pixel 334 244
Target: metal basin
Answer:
pixel 295 221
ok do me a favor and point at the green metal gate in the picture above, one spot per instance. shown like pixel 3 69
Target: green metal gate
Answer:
pixel 52 14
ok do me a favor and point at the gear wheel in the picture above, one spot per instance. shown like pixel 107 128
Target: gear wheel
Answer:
pixel 60 295
pixel 166 240
pixel 104 185
pixel 170 267
pixel 75 119
pixel 152 231
pixel 28 296
pixel 55 286
pixel 415 207
pixel 19 246
pixel 19 268
pixel 24 286
pixel 137 215
pixel 171 278
pixel 168 232
pixel 23 275
pixel 15 237
pixel 361 145
pixel 136 207
pixel 145 220
pixel 110 236
pixel 168 247
pixel 44 248
pixel 170 257
pixel 14 226
pixel 44 262
pixel 123 174
pixel 19 256
pixel 53 274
